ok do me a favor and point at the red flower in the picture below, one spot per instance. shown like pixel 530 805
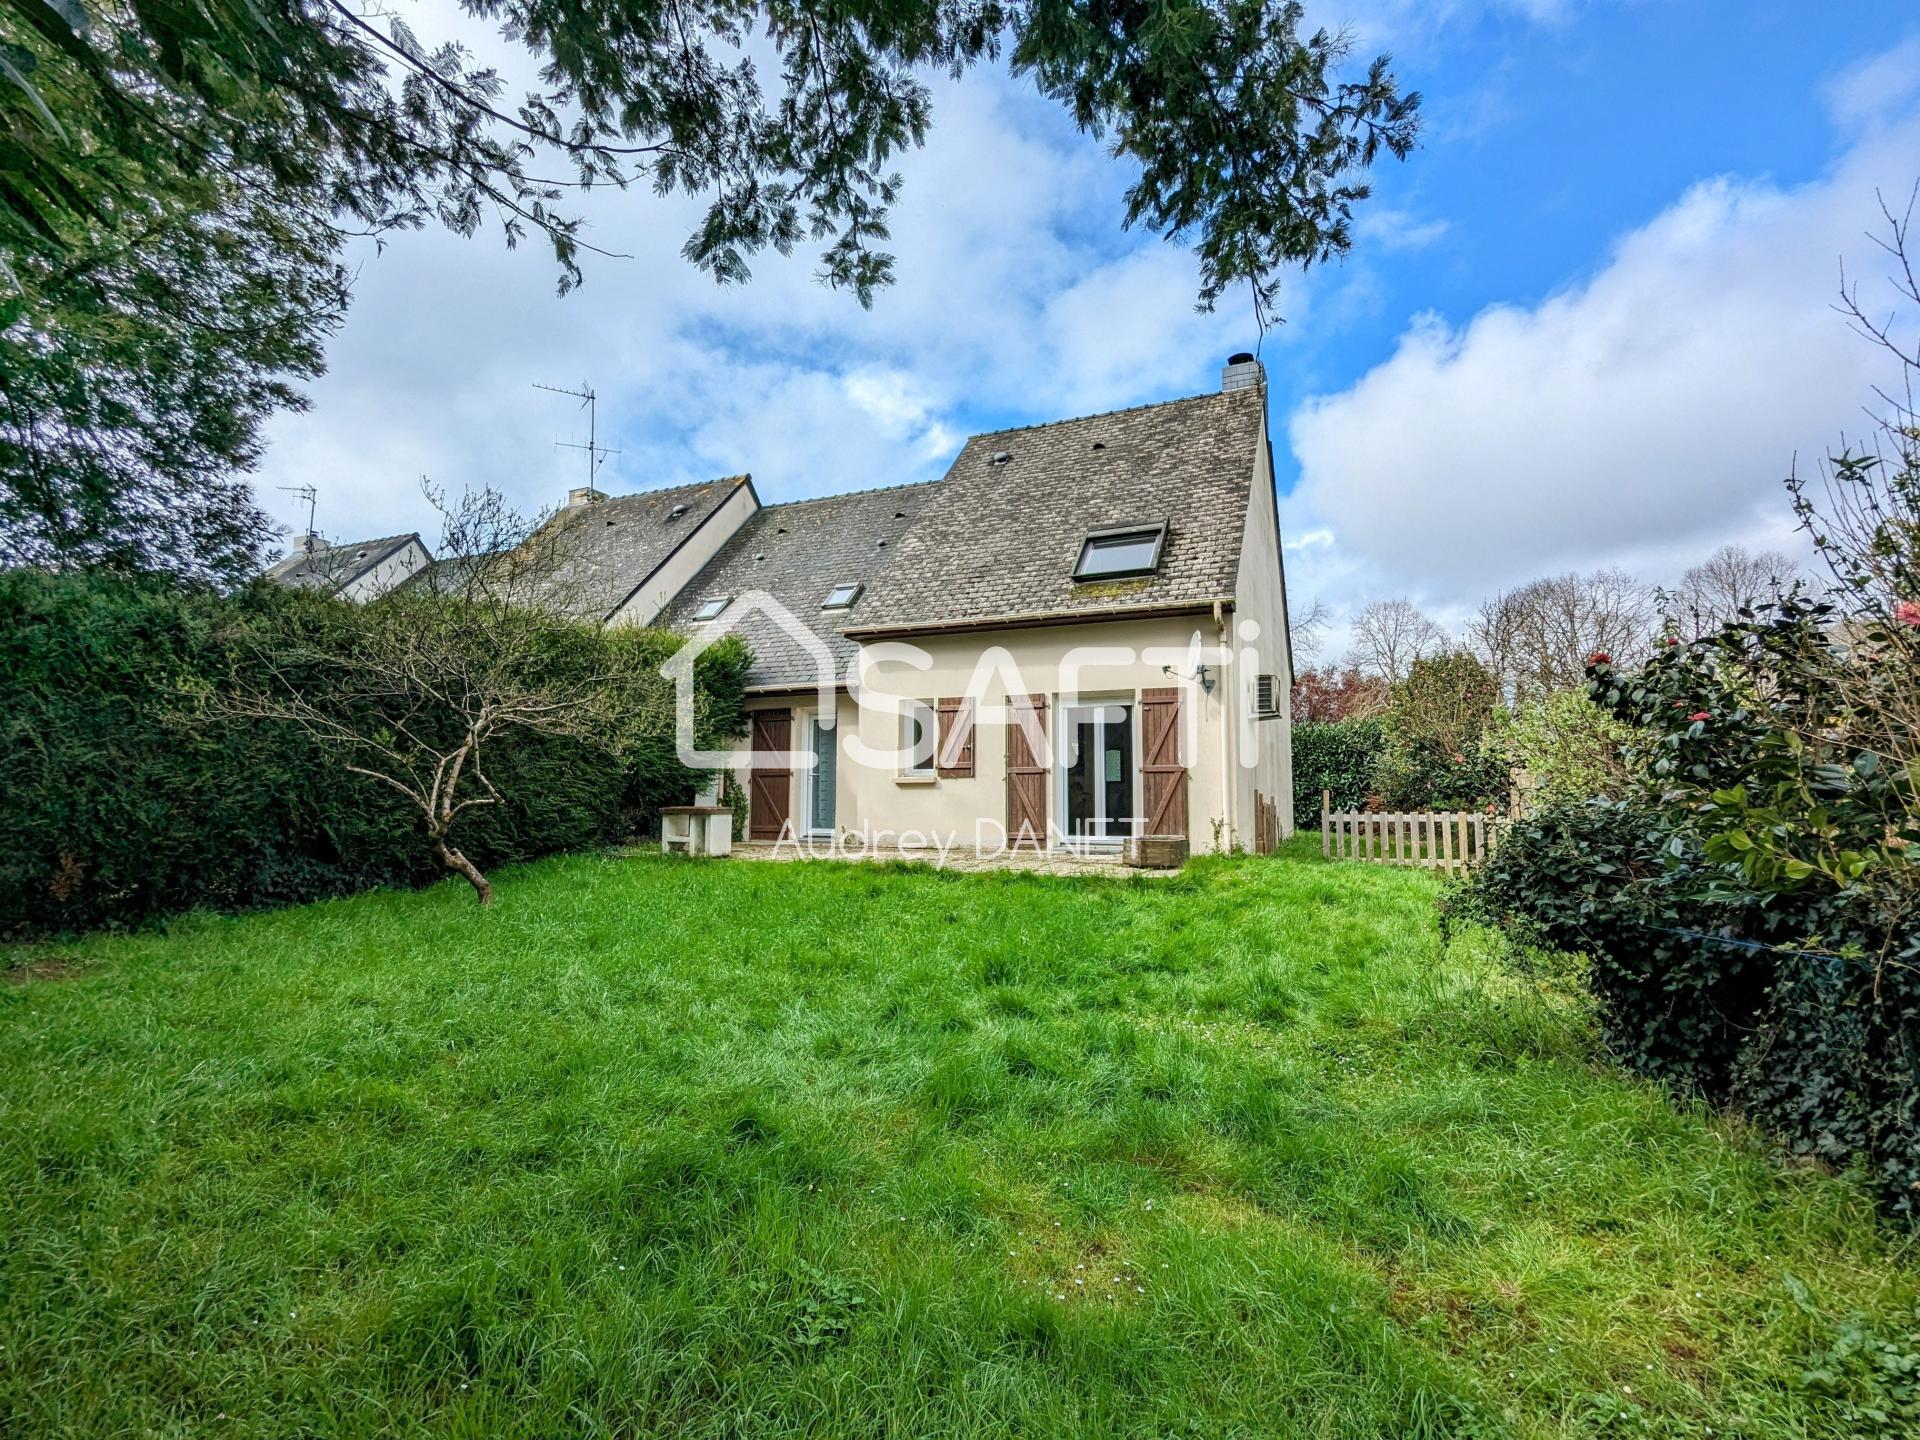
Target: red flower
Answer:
pixel 1459 759
pixel 1906 612
pixel 1673 639
pixel 1599 657
pixel 1700 715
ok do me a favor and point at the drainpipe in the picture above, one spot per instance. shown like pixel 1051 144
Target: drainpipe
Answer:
pixel 1228 759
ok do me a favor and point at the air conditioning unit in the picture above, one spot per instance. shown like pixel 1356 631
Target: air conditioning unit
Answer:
pixel 1266 696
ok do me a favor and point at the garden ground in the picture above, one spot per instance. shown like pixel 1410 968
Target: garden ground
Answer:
pixel 702 1148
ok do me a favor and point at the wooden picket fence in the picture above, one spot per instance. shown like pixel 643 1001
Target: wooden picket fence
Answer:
pixel 1435 839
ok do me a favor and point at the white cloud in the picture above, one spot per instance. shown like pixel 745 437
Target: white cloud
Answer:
pixel 1641 416
pixel 1878 87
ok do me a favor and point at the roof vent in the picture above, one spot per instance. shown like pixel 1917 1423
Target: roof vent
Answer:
pixel 674 514
pixel 1099 444
pixel 1001 457
pixel 899 514
pixel 881 543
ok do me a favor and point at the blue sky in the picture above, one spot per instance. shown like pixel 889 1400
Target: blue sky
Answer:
pixel 1586 323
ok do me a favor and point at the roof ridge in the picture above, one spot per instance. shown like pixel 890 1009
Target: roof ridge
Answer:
pixel 680 485
pixel 852 494
pixel 1102 414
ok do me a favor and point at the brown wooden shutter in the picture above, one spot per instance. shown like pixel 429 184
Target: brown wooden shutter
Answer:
pixel 1163 779
pixel 955 750
pixel 770 780
pixel 1027 772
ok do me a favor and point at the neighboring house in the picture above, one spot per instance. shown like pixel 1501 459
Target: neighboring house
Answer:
pixel 351 569
pixel 1059 589
pixel 619 559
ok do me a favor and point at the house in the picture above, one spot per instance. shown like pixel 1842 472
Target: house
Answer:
pixel 1077 636
pixel 351 569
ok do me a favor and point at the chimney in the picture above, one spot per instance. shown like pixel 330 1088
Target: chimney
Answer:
pixel 583 495
pixel 308 543
pixel 1243 372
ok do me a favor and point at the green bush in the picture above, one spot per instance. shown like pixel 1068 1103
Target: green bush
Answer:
pixel 1437 755
pixel 1563 749
pixel 1339 756
pixel 1749 910
pixel 122 800
pixel 1424 773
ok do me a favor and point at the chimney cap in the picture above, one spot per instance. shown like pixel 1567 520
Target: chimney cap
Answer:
pixel 1242 357
pixel 583 495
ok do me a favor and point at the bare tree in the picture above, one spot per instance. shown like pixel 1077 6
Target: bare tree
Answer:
pixel 1307 632
pixel 430 677
pixel 1389 635
pixel 1728 581
pixel 1864 522
pixel 1536 638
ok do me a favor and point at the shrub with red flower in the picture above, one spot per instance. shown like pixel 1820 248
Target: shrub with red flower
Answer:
pixel 1699 715
pixel 1599 657
pixel 1906 612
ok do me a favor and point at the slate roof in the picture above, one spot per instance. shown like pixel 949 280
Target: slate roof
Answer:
pixel 1001 540
pixel 608 547
pixel 335 566
pixel 796 553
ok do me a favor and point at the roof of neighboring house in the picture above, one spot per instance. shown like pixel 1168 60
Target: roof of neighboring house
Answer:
pixel 608 547
pixel 796 553
pixel 445 576
pixel 1001 537
pixel 336 566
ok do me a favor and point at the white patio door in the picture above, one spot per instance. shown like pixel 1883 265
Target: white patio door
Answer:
pixel 1097 771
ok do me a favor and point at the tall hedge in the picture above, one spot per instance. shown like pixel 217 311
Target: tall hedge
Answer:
pixel 121 800
pixel 1340 756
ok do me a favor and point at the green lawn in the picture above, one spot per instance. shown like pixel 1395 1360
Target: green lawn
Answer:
pixel 727 1148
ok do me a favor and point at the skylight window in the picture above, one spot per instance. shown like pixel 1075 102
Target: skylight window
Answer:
pixel 710 609
pixel 841 597
pixel 1108 554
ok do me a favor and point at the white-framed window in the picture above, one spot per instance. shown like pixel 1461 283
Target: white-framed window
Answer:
pixel 1121 551
pixel 841 597
pixel 711 607
pixel 919 736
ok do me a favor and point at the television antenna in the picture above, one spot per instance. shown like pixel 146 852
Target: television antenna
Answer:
pixel 307 493
pixel 596 452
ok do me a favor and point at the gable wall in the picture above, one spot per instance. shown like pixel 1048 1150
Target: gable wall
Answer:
pixel 388 573
pixel 1261 647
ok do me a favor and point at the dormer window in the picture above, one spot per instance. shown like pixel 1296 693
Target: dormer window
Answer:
pixel 1124 550
pixel 841 597
pixel 710 608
